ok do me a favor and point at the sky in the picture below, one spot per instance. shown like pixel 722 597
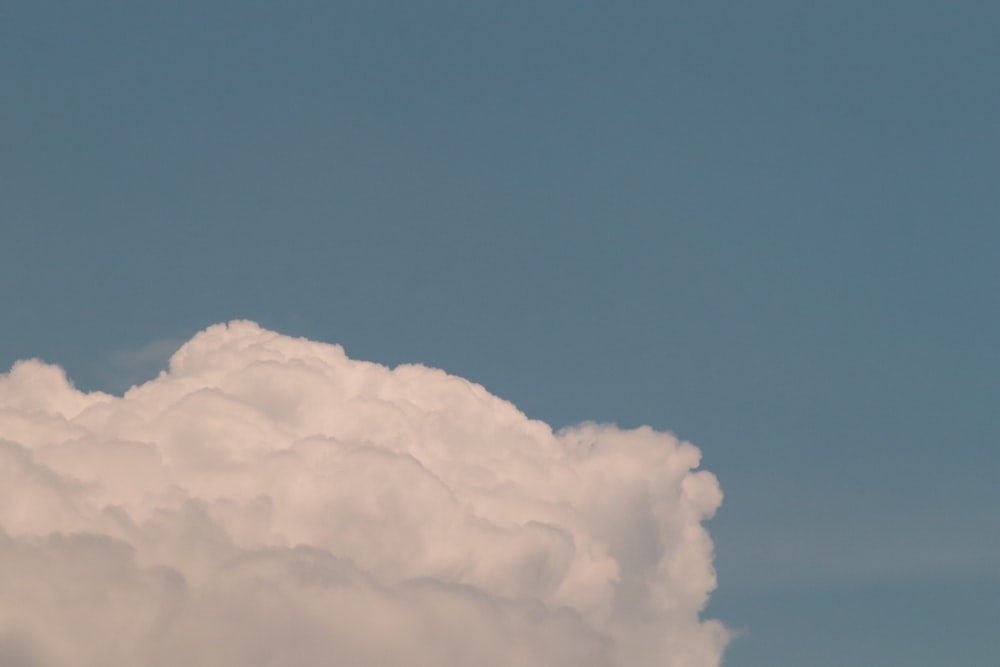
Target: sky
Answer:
pixel 769 229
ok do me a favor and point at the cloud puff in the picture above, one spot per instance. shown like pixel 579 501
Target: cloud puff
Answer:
pixel 269 501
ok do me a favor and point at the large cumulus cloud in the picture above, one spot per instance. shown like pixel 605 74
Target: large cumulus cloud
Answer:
pixel 269 501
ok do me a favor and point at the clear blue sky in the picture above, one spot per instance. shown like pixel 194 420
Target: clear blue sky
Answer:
pixel 769 227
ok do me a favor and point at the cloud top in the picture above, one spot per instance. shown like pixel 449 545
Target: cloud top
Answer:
pixel 269 501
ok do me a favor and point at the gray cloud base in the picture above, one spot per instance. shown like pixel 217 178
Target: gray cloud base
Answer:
pixel 269 501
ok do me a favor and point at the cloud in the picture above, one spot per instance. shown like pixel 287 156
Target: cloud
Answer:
pixel 269 501
pixel 131 365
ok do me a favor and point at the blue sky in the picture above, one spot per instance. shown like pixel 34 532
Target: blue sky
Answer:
pixel 771 229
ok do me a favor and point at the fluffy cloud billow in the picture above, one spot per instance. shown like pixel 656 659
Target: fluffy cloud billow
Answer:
pixel 268 501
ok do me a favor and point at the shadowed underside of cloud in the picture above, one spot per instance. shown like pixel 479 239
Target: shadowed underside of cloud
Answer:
pixel 269 501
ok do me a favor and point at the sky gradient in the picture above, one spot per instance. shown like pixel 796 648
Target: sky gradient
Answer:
pixel 771 230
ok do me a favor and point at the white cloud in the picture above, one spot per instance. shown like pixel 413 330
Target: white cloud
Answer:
pixel 269 501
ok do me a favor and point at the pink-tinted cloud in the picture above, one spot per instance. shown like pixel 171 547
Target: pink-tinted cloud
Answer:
pixel 269 501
